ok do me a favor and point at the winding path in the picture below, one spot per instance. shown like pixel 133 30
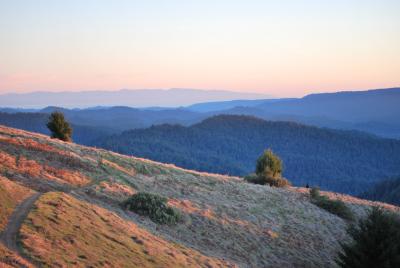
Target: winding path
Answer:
pixel 9 236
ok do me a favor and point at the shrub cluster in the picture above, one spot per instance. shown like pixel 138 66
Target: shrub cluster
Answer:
pixel 268 171
pixel 153 206
pixel 336 207
pixel 264 180
pixel 375 242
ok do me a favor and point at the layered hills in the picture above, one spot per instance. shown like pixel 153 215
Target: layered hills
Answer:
pixel 341 161
pixel 373 111
pixel 61 207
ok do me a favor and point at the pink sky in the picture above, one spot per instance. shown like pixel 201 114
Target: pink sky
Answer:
pixel 286 48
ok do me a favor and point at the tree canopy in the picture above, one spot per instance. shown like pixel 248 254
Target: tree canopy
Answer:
pixel 269 164
pixel 59 127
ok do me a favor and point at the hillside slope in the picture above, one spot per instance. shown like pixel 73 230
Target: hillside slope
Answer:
pixel 342 161
pixel 77 219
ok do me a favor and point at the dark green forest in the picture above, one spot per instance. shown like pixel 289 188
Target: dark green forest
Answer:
pixel 387 191
pixel 343 161
pixel 36 122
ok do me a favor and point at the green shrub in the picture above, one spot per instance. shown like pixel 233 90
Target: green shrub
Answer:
pixel 263 180
pixel 153 206
pixel 268 171
pixel 375 242
pixel 314 192
pixel 277 181
pixel 269 164
pixel 336 207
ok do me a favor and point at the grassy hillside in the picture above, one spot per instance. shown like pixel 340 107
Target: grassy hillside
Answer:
pixel 342 161
pixel 9 259
pixel 225 222
pixel 11 194
pixel 63 231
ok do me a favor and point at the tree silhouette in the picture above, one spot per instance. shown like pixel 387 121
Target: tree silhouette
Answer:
pixel 59 127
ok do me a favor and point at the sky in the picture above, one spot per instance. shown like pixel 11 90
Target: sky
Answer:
pixel 281 48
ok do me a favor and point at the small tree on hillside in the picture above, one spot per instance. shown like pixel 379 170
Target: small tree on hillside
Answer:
pixel 269 170
pixel 269 164
pixel 59 127
pixel 376 242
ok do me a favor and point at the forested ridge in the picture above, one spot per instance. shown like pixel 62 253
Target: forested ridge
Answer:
pixel 36 122
pixel 387 191
pixel 344 161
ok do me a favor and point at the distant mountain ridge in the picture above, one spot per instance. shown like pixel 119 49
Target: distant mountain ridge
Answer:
pixel 224 105
pixel 373 111
pixel 125 97
pixel 371 105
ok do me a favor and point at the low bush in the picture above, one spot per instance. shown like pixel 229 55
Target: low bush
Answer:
pixel 375 242
pixel 277 181
pixel 263 180
pixel 153 206
pixel 314 193
pixel 336 207
pixel 253 178
pixel 268 171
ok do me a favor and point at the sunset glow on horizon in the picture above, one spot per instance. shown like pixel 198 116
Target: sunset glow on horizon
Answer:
pixel 282 48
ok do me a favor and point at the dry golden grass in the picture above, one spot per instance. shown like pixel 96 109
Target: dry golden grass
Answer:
pixel 357 205
pixel 9 259
pixel 31 145
pixel 33 169
pixel 114 190
pixel 128 171
pixel 63 231
pixel 11 194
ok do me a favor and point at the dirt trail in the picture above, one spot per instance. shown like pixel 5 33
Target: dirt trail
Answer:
pixel 9 237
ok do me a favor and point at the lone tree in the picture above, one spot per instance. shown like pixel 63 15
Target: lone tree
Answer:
pixel 59 127
pixel 375 242
pixel 269 164
pixel 269 170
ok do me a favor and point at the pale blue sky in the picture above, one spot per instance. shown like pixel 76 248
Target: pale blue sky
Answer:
pixel 284 48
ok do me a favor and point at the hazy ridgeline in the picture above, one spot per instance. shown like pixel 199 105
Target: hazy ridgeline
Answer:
pixel 344 161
